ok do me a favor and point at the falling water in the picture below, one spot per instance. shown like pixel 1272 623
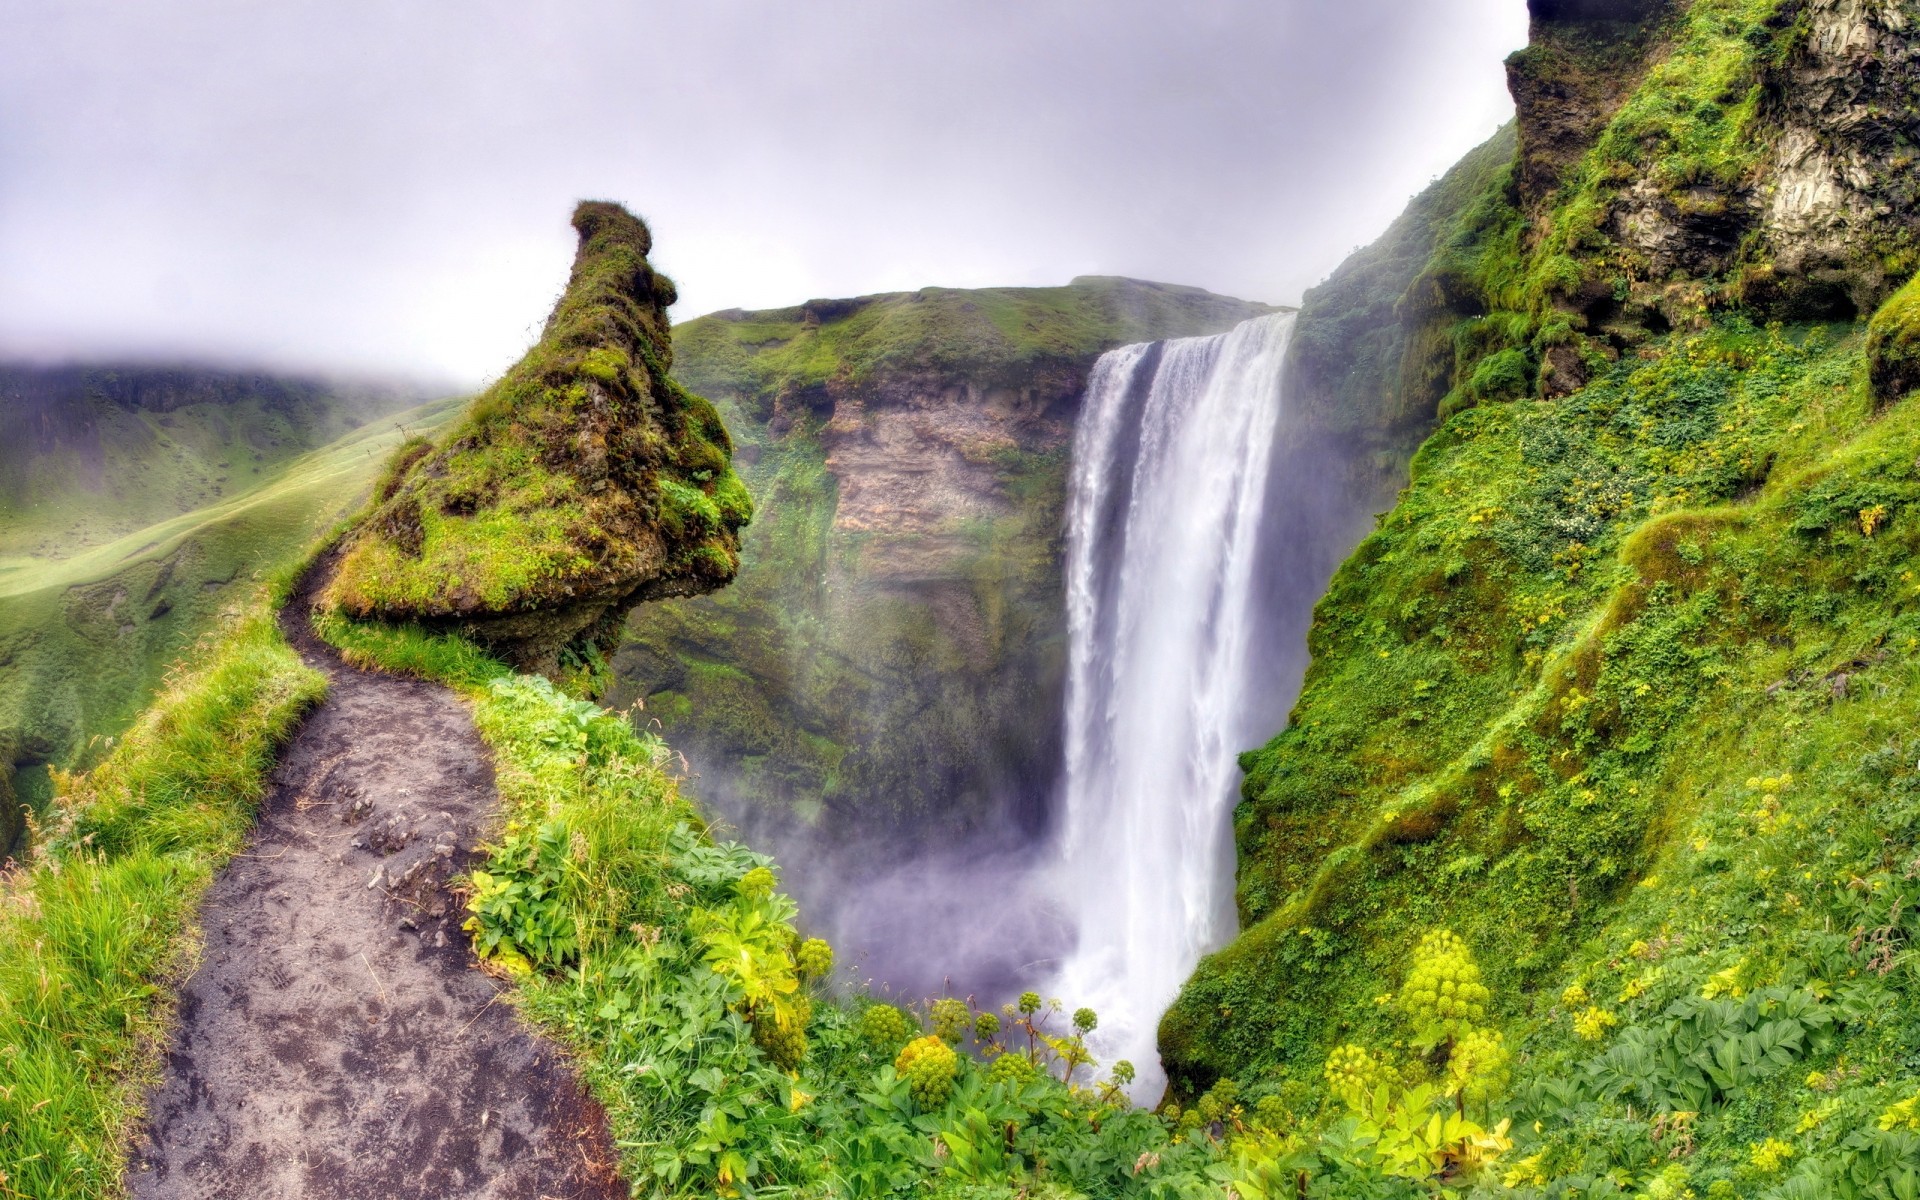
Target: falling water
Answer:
pixel 1171 458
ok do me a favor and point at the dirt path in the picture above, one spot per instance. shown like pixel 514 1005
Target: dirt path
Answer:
pixel 336 1040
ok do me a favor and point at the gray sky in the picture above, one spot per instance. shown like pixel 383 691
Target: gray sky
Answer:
pixel 384 184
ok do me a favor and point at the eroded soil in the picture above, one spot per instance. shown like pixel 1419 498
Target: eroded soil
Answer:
pixel 336 1040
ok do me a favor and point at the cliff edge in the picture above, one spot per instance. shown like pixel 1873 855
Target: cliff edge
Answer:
pixel 584 482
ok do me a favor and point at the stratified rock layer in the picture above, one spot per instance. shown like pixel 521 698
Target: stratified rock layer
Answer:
pixel 583 483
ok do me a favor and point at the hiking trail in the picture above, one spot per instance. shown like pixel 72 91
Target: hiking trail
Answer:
pixel 336 1039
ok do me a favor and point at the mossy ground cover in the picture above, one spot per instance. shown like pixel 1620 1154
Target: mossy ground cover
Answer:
pixel 94 929
pixel 89 455
pixel 1617 692
pixel 985 335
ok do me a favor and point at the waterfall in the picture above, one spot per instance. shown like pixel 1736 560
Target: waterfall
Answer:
pixel 1170 464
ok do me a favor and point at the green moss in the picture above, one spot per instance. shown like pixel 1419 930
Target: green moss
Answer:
pixel 583 482
pixel 1893 345
pixel 1547 699
pixel 990 337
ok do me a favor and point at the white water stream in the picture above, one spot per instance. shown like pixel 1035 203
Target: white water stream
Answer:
pixel 1171 457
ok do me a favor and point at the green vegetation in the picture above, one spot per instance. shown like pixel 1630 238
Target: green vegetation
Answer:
pixel 986 337
pixel 93 454
pixel 86 639
pixel 1616 693
pixel 582 483
pixel 1893 345
pixel 669 964
pixel 883 672
pixel 95 926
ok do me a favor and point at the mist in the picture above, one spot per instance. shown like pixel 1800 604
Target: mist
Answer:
pixel 385 187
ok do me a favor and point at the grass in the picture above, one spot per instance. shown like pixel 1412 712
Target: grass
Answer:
pixel 99 924
pixel 89 455
pixel 88 638
pixel 990 336
pixel 1576 699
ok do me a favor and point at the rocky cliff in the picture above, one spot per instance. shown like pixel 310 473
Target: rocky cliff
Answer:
pixel 1681 159
pixel 583 483
pixel 891 658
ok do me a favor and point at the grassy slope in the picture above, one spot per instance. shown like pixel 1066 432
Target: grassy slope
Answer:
pixel 85 640
pixel 94 454
pixel 93 930
pixel 988 335
pixel 1616 692
pixel 803 683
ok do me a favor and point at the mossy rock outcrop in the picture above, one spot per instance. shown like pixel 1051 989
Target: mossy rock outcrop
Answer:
pixel 1893 345
pixel 585 482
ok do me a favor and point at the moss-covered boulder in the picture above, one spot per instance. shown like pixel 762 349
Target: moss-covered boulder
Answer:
pixel 584 482
pixel 1893 345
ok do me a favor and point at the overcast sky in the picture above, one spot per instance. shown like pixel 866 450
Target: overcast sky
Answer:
pixel 384 184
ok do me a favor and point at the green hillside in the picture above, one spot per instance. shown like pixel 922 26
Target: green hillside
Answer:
pixel 92 453
pixel 86 638
pixel 1620 690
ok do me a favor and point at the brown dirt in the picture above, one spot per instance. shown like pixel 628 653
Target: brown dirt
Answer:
pixel 337 1039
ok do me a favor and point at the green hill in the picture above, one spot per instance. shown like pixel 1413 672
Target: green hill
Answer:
pixel 1620 690
pixel 86 638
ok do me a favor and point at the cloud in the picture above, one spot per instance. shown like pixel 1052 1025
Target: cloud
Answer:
pixel 352 183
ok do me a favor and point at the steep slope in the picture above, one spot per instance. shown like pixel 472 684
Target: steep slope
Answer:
pixel 93 452
pixel 86 636
pixel 1616 690
pixel 583 483
pixel 892 655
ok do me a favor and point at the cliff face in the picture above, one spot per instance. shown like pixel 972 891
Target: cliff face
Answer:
pixel 1615 691
pixel 892 655
pixel 583 483
pixel 1681 159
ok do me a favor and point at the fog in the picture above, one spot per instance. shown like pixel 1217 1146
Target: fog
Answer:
pixel 356 185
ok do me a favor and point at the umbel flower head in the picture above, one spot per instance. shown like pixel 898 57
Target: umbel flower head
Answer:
pixel 1443 998
pixel 929 1066
pixel 814 958
pixel 884 1027
pixel 1353 1073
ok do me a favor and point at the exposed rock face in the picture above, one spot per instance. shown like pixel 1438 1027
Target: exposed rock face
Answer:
pixel 1582 59
pixel 583 483
pixel 1777 169
pixel 1840 198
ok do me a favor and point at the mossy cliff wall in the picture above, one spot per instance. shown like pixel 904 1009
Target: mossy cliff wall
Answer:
pixel 891 657
pixel 583 483
pixel 1621 688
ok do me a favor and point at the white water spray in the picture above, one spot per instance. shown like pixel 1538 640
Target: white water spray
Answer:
pixel 1171 457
